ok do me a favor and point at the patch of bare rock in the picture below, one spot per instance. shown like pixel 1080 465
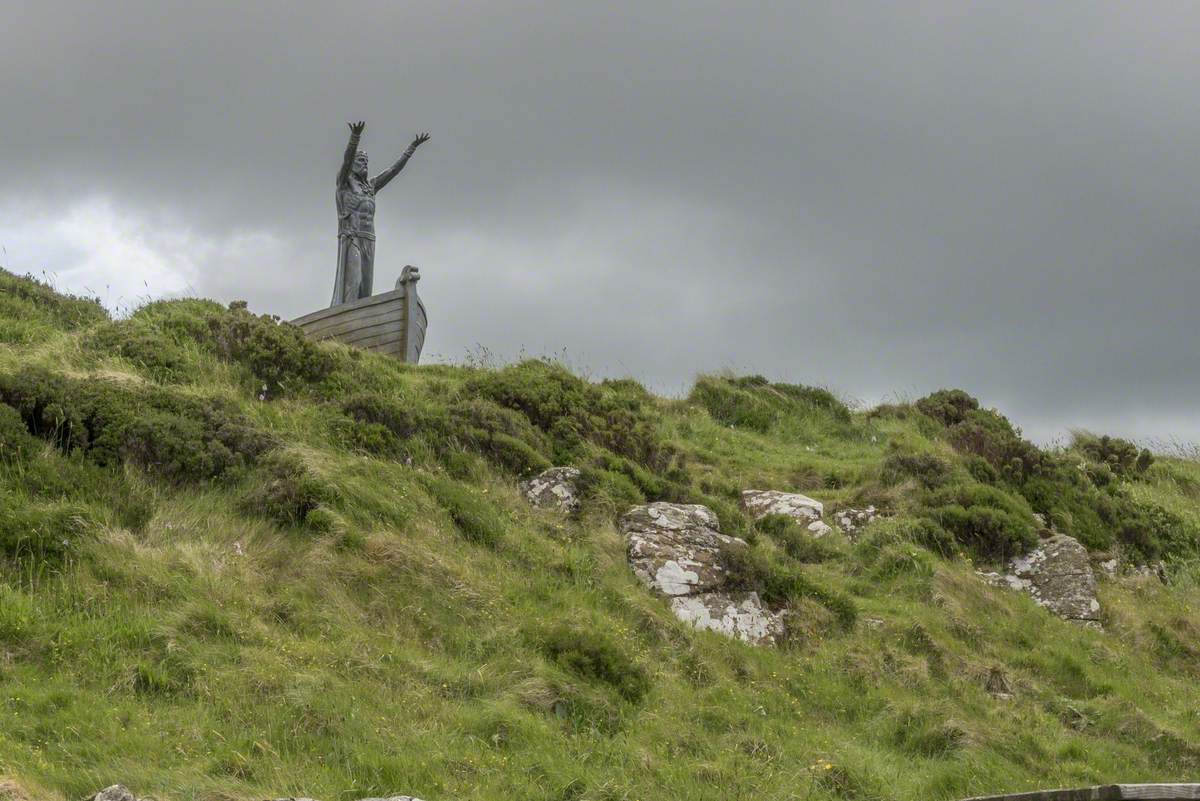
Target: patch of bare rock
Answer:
pixel 675 549
pixel 853 521
pixel 801 508
pixel 555 488
pixel 1058 575
pixel 807 512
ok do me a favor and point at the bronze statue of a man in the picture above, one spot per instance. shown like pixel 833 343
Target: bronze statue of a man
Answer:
pixel 356 217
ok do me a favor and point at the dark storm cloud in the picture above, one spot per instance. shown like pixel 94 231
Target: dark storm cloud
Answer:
pixel 885 198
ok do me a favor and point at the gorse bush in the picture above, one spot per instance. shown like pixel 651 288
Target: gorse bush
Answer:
pixel 175 436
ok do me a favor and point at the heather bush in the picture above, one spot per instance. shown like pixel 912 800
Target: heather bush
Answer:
pixel 947 406
pixel 988 522
pixel 173 436
pixel 614 416
pixel 277 354
pixel 1120 456
pixel 147 349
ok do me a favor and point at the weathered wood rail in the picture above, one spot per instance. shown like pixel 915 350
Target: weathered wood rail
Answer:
pixel 1105 792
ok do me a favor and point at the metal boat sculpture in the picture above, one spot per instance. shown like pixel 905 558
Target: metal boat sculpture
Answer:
pixel 392 323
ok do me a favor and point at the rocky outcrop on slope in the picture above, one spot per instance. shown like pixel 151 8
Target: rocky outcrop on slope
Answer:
pixel 801 508
pixel 555 488
pixel 1058 575
pixel 675 549
pixel 853 521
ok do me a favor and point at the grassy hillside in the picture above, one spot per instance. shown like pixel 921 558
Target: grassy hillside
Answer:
pixel 237 565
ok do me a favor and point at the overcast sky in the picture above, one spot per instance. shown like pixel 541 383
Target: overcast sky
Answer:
pixel 882 198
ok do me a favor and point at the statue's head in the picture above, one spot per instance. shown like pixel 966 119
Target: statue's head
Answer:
pixel 360 164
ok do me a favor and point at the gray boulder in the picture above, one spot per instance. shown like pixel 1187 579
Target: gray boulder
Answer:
pixel 760 503
pixel 553 489
pixel 675 549
pixel 1058 575
pixel 115 792
pixel 819 528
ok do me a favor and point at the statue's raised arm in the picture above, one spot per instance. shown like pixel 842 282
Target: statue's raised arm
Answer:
pixel 356 129
pixel 381 180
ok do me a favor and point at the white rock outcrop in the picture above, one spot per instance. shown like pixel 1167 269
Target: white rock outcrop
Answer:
pixel 852 521
pixel 819 528
pixel 760 503
pixel 1058 576
pixel 555 488
pixel 675 549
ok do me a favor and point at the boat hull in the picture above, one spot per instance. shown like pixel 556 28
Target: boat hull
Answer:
pixel 392 323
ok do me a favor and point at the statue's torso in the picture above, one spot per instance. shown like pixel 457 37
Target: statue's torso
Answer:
pixel 356 210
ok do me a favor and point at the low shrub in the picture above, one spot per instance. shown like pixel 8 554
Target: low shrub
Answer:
pixel 927 469
pixel 947 406
pixel 502 435
pixel 614 415
pixel 286 491
pixel 778 583
pixel 987 521
pixel 26 297
pixel 146 349
pixel 174 436
pixel 1120 456
pixel 276 353
pixel 755 403
pixel 591 655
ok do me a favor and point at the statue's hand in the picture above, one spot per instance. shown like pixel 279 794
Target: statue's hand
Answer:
pixel 356 128
pixel 419 140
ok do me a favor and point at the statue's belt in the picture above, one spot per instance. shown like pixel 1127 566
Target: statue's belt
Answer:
pixel 356 235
